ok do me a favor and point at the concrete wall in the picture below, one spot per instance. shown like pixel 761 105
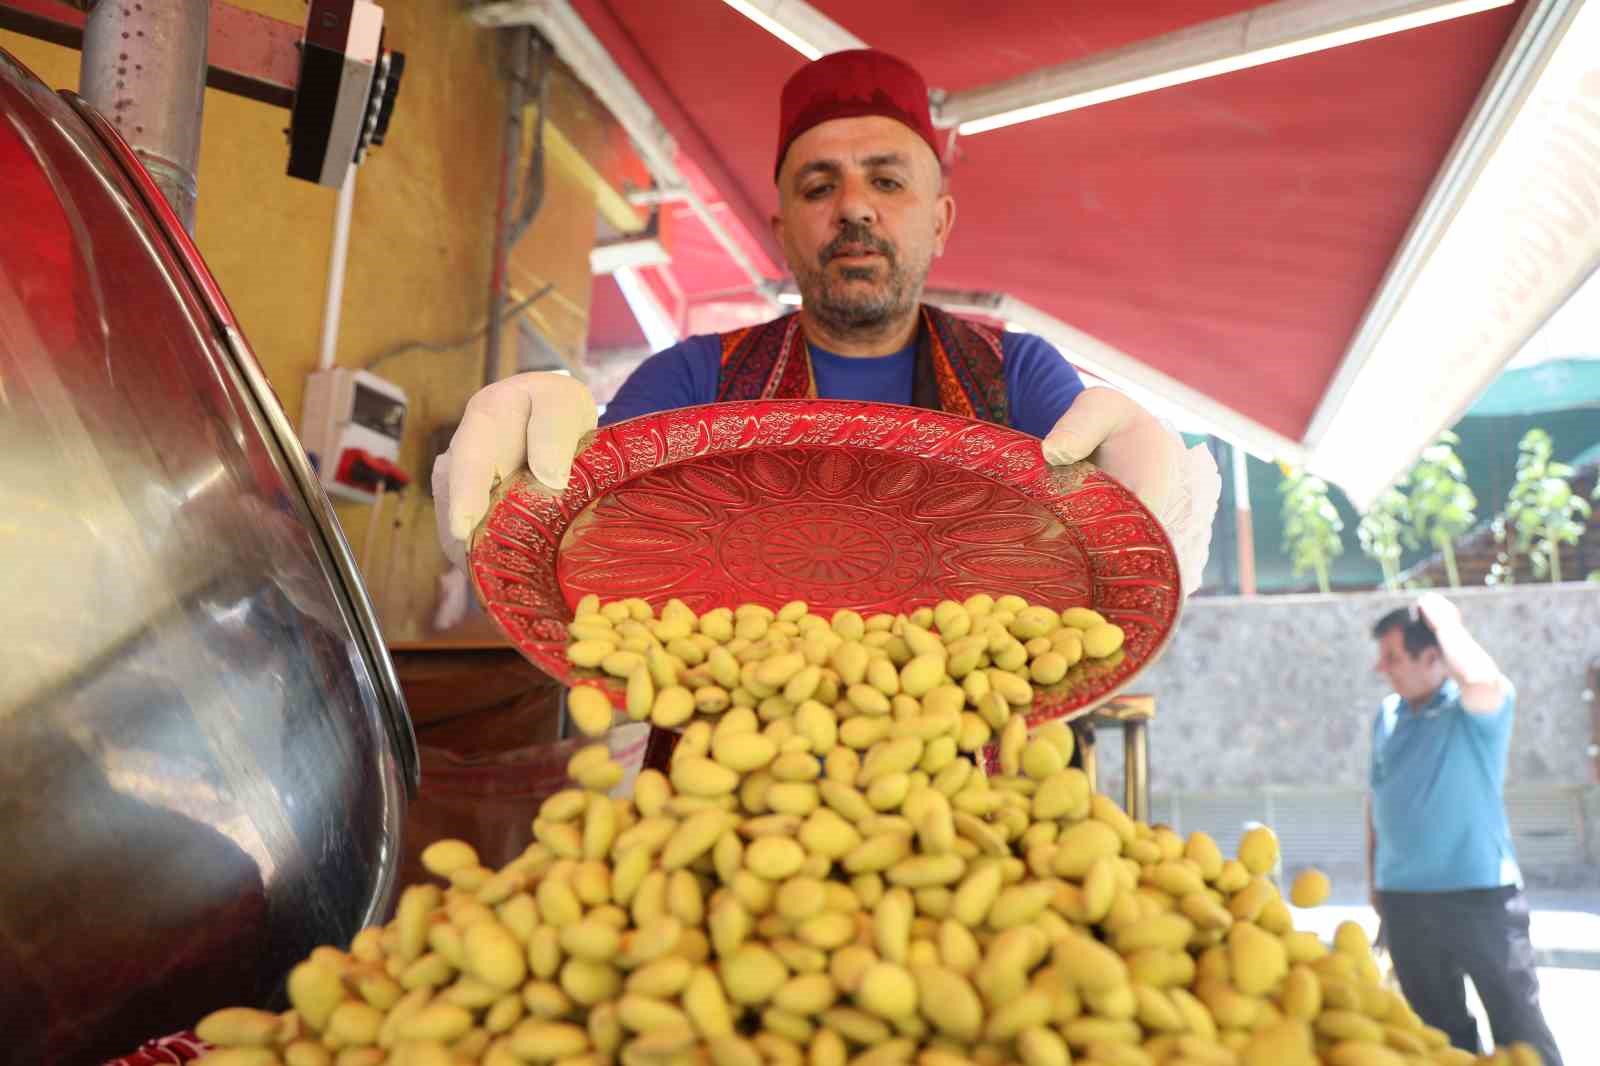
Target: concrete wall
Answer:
pixel 1280 691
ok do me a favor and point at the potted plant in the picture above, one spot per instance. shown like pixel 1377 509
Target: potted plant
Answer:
pixel 1441 501
pixel 1542 509
pixel 1385 532
pixel 1311 525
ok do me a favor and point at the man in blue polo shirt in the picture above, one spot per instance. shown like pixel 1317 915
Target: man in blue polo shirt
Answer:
pixel 1439 852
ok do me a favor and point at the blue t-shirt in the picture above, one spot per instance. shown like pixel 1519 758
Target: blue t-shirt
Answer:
pixel 1438 787
pixel 1040 383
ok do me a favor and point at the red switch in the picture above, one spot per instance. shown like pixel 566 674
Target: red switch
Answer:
pixel 361 469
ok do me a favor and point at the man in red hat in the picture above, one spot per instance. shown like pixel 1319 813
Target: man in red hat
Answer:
pixel 862 213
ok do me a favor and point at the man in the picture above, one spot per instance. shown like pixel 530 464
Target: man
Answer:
pixel 862 214
pixel 1439 852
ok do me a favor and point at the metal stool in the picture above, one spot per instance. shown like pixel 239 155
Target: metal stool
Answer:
pixel 1130 714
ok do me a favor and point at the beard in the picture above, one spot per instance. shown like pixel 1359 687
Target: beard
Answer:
pixel 861 300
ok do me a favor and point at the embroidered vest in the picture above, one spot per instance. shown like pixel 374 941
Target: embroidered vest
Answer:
pixel 959 367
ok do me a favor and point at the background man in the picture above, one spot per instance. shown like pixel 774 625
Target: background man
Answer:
pixel 1440 859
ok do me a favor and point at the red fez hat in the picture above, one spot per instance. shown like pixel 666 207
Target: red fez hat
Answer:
pixel 863 81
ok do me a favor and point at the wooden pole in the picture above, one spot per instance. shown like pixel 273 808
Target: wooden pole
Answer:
pixel 1593 696
pixel 1244 532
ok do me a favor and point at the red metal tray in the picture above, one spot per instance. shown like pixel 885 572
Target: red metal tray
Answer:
pixel 875 507
pixel 166 1051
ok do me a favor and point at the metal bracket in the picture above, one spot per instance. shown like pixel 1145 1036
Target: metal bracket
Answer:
pixel 247 54
pixel 1131 714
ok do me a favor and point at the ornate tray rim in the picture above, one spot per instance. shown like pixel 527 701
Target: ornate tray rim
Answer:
pixel 612 457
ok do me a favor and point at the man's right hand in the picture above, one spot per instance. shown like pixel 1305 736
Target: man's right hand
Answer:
pixel 535 419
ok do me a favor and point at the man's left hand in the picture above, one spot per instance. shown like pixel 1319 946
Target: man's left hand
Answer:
pixel 1180 487
pixel 1438 612
pixel 1121 438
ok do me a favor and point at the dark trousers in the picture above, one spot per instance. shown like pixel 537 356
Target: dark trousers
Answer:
pixel 1437 938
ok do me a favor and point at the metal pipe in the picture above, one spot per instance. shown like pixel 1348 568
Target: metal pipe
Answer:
pixel 517 43
pixel 532 197
pixel 144 69
pixel 333 301
pixel 582 51
pixel 1087 756
pixel 1136 769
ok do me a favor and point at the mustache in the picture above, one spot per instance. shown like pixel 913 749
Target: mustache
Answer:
pixel 855 236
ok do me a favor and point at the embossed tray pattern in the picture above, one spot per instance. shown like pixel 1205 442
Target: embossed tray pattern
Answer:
pixel 875 507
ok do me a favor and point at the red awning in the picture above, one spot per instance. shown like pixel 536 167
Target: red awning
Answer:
pixel 1231 233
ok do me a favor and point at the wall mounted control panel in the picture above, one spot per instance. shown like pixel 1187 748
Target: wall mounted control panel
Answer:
pixel 351 429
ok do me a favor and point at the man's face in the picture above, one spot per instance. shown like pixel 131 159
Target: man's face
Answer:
pixel 1413 678
pixel 861 218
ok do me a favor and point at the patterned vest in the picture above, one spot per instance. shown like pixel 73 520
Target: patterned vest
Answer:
pixel 959 366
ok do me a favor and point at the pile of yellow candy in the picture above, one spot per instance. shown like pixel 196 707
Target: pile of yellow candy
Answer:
pixel 981 658
pixel 844 889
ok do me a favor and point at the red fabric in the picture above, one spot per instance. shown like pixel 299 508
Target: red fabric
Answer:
pixel 167 1051
pixel 863 81
pixel 1229 233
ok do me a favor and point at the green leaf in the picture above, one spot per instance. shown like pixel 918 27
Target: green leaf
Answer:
pixel 1311 523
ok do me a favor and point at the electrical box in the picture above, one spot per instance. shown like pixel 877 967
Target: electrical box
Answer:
pixel 351 426
pixel 346 90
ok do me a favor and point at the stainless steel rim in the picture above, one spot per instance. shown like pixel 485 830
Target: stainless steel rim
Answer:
pixel 386 680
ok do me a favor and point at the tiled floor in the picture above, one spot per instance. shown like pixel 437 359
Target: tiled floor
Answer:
pixel 1568 923
pixel 1570 998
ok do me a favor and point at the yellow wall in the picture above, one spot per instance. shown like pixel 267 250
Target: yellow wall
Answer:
pixel 419 257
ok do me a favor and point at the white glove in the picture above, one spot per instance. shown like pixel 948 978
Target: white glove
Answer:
pixel 537 419
pixel 455 597
pixel 1190 511
pixel 1180 487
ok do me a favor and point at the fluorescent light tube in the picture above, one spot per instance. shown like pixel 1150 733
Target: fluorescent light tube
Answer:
pixel 798 25
pixel 1207 62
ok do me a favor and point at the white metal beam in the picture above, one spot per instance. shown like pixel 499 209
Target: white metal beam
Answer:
pixel 798 25
pixel 1499 103
pixel 1266 34
pixel 1521 238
